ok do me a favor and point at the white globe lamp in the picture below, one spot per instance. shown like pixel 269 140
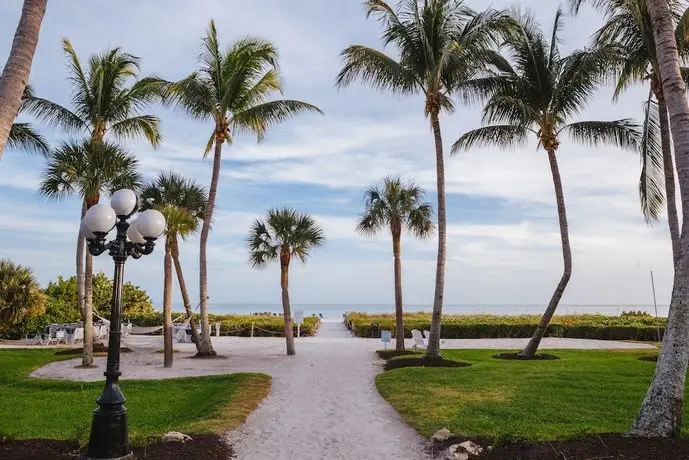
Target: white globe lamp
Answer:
pixel 123 202
pixel 134 235
pixel 83 228
pixel 150 224
pixel 100 219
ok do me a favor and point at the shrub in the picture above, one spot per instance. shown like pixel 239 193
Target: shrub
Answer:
pixel 628 327
pixel 56 311
pixel 21 297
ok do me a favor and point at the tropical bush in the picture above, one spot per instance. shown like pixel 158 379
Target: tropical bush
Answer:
pixel 20 295
pixel 628 327
pixel 236 325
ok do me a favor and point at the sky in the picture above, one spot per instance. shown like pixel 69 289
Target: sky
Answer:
pixel 503 238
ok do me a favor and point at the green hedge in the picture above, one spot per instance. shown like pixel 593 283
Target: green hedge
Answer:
pixel 640 327
pixel 236 325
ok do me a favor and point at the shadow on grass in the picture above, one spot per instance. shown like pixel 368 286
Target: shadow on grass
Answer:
pixel 399 363
pixel 517 357
pixel 652 358
pixel 389 354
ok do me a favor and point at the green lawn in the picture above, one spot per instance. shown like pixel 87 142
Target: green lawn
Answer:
pixel 584 392
pixel 32 408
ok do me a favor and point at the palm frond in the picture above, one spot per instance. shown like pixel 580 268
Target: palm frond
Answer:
pixel 53 114
pixel 259 118
pixel 144 126
pixel 624 134
pixel 24 137
pixel 195 95
pixel 652 178
pixel 376 69
pixel 503 136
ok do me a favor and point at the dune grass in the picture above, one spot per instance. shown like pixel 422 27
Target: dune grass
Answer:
pixel 585 392
pixel 51 409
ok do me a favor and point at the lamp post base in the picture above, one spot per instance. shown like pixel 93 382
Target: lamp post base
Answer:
pixel 109 438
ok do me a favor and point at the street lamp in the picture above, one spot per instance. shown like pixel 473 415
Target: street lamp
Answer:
pixel 109 438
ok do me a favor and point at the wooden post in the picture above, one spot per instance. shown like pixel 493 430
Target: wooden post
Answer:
pixel 298 330
pixel 252 330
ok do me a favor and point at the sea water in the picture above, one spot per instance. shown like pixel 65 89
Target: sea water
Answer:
pixel 337 310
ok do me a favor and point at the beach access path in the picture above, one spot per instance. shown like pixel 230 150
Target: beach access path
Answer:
pixel 323 403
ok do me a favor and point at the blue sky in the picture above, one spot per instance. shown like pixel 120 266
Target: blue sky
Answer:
pixel 503 243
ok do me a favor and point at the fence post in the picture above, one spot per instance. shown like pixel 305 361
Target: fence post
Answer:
pixel 252 330
pixel 217 329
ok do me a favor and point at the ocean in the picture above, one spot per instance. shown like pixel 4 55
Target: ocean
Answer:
pixel 337 310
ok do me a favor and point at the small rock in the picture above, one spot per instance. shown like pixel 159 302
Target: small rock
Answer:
pixel 455 452
pixel 175 436
pixel 471 448
pixel 489 448
pixel 441 435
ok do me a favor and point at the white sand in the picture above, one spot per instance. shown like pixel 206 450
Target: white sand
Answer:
pixel 323 404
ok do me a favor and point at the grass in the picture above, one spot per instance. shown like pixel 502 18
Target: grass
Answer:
pixel 51 409
pixel 584 392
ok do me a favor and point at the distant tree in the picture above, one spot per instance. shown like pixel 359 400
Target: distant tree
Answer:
pixel 230 90
pixel 18 66
pixel 284 234
pixel 539 94
pixel 183 203
pixel 395 207
pixel 20 295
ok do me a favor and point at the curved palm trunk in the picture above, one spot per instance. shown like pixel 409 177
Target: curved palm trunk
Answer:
pixel 669 171
pixel 662 410
pixel 532 346
pixel 433 350
pixel 185 294
pixel 81 253
pixel 286 309
pixel 167 305
pixel 399 312
pixel 205 348
pixel 16 71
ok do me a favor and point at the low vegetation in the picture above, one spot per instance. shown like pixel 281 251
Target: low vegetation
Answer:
pixel 584 392
pixel 50 409
pixel 628 326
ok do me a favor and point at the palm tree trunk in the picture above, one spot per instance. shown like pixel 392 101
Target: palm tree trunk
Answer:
pixel 662 410
pixel 399 312
pixel 87 358
pixel 286 310
pixel 167 305
pixel 16 71
pixel 205 348
pixel 81 253
pixel 532 346
pixel 185 294
pixel 669 171
pixel 433 350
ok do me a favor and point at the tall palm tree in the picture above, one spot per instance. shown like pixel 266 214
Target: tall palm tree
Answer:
pixel 538 94
pixel 183 203
pixel 662 410
pixel 394 207
pixel 20 294
pixel 284 234
pixel 18 66
pixel 440 43
pixel 231 89
pixel 108 98
pixel 629 26
pixel 88 169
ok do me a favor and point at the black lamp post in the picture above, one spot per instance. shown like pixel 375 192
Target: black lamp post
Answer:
pixel 109 435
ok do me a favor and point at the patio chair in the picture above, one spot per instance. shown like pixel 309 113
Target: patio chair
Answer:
pixel 76 336
pixel 60 336
pixel 418 339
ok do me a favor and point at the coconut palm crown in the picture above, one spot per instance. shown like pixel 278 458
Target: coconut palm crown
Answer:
pixel 537 94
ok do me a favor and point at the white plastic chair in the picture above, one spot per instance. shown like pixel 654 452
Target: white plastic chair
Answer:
pixel 60 336
pixel 419 342
pixel 76 336
pixel 426 335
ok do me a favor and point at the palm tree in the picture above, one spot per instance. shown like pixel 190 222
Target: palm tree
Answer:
pixel 88 169
pixel 394 207
pixel 18 66
pixel 183 203
pixel 108 98
pixel 440 43
pixel 662 410
pixel 23 136
pixel 629 26
pixel 539 94
pixel 20 294
pixel 284 234
pixel 231 89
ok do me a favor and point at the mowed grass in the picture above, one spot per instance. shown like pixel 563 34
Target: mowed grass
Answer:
pixel 51 409
pixel 584 392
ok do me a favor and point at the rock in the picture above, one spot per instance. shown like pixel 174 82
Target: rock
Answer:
pixel 175 436
pixel 454 452
pixel 471 448
pixel 441 435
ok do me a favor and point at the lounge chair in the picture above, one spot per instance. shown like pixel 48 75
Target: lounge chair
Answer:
pixel 419 342
pixel 74 337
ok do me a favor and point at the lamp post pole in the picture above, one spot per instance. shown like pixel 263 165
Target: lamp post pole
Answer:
pixel 109 437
